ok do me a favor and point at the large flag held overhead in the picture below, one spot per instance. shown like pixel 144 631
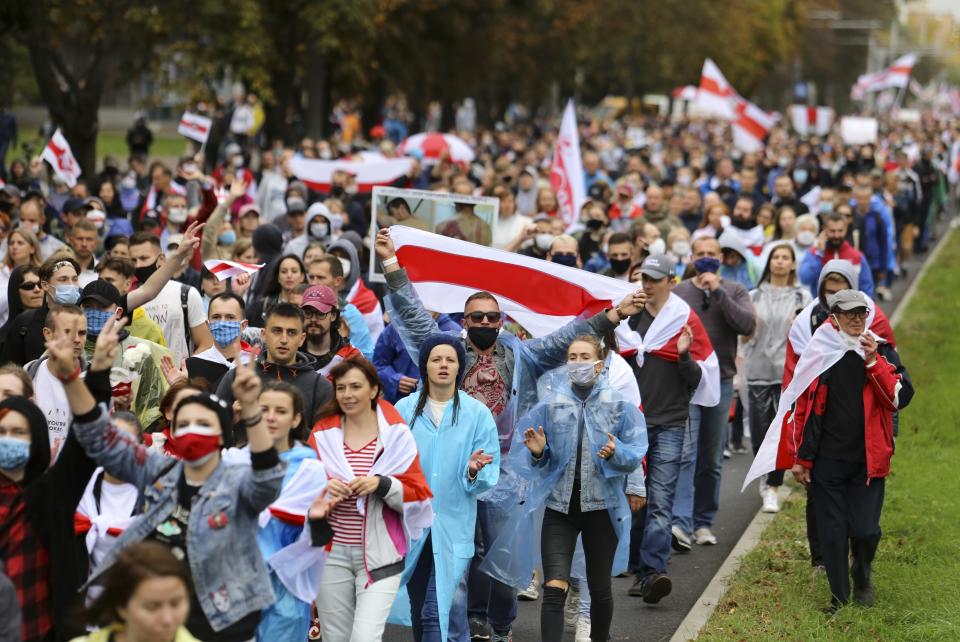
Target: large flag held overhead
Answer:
pixel 751 126
pixel 317 173
pixel 896 75
pixel 58 154
pixel 808 121
pixel 566 173
pixel 716 96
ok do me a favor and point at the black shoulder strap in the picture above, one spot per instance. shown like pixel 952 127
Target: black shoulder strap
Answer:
pixel 98 490
pixel 184 299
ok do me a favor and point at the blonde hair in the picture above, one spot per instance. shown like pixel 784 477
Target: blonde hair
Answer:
pixel 31 240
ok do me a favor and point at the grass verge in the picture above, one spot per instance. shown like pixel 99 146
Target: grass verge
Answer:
pixel 777 596
pixel 115 144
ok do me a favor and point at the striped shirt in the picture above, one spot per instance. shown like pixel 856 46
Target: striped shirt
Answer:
pixel 345 519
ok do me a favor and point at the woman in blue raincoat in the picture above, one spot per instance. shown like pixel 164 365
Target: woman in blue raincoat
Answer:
pixel 584 444
pixel 460 455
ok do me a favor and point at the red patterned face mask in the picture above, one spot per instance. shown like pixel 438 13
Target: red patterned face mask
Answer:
pixel 194 443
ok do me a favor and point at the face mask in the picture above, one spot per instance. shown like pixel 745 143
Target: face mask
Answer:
pixel 800 176
pixel 806 238
pixel 225 332
pixel 706 265
pixel 144 273
pixel 336 191
pixel 619 266
pixel 30 227
pixel 326 154
pixel 784 161
pixel 336 222
pixel 68 294
pixel 582 373
pixel 826 207
pixel 195 444
pixel 594 225
pixel 319 230
pixel 850 341
pixel 238 160
pixel 346 267
pixel 680 248
pixel 657 247
pixel 684 180
pixel 177 215
pixel 482 337
pixel 96 319
pixel 543 242
pixel 227 238
pixel 743 223
pixel 351 190
pixel 14 453
pixel 570 260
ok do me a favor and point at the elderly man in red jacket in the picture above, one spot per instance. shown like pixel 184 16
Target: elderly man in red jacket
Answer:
pixel 846 416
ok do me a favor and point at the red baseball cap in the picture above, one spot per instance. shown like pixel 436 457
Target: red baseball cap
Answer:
pixel 320 298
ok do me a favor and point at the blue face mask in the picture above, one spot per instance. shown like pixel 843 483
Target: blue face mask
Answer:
pixel 225 332
pixel 14 453
pixel 707 264
pixel 570 260
pixel 96 319
pixel 67 294
pixel 800 176
pixel 227 238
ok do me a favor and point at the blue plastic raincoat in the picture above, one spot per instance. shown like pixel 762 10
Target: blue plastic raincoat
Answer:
pixel 444 454
pixel 549 481
pixel 288 619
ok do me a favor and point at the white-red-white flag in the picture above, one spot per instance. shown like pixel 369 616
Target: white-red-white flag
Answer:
pixel 223 270
pixel 716 96
pixel 195 127
pixel 687 92
pixel 59 155
pixel 566 173
pixel 808 121
pixel 317 173
pixel 540 295
pixel 897 75
pixel 751 126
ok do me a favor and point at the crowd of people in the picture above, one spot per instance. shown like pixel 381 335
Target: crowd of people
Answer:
pixel 281 455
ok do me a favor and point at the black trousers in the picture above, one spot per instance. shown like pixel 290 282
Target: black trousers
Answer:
pixel 764 400
pixel 848 517
pixel 558 541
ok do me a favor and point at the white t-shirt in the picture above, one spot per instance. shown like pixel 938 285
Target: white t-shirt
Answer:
pixel 166 311
pixel 117 501
pixel 52 400
pixel 436 409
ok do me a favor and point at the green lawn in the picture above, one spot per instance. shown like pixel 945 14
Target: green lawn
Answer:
pixel 115 144
pixel 777 596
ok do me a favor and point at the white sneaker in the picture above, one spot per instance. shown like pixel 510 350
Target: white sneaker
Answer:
pixel 771 503
pixel 571 610
pixel 583 630
pixel 532 592
pixel 703 536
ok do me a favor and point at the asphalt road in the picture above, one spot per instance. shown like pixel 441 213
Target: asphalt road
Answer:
pixel 690 572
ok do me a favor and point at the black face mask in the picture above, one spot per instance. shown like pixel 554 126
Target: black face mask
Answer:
pixel 482 337
pixel 743 224
pixel 594 225
pixel 336 191
pixel 145 272
pixel 619 266
pixel 570 260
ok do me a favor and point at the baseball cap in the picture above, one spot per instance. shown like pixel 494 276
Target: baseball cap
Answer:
pixel 319 297
pixel 232 149
pixel 100 291
pixel 530 169
pixel 295 204
pixel 91 201
pixel 73 204
pixel 659 266
pixel 848 300
pixel 249 208
pixel 174 239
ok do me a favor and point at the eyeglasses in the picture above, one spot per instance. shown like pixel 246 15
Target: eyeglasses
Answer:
pixel 30 285
pixel 477 317
pixel 315 314
pixel 853 315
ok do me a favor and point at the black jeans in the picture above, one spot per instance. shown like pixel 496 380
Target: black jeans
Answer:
pixel 848 517
pixel 558 541
pixel 763 402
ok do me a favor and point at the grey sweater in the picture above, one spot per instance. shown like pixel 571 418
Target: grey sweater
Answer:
pixel 726 314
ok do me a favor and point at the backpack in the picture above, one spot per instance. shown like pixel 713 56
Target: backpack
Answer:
pixel 184 297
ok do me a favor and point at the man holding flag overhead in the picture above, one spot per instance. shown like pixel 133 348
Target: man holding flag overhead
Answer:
pixel 500 370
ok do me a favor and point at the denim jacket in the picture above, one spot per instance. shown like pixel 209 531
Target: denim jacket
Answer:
pixel 228 571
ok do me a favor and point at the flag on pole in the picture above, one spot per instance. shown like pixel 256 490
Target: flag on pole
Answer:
pixel 317 173
pixel 751 126
pixel 566 173
pixel 808 121
pixel 716 96
pixel 59 155
pixel 195 127
pixel 897 75
pixel 224 270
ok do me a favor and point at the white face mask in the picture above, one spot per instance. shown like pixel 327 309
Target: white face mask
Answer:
pixel 336 222
pixel 806 238
pixel 238 160
pixel 30 226
pixel 177 215
pixel 684 179
pixel 319 230
pixel 346 267
pixel 657 247
pixel 582 373
pixel 852 341
pixel 543 242
pixel 680 248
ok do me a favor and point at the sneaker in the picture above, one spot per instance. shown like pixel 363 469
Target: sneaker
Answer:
pixel 703 536
pixel 636 589
pixel 740 450
pixel 864 596
pixel 583 630
pixel 656 587
pixel 479 630
pixel 679 540
pixel 727 454
pixel 571 610
pixel 502 637
pixel 771 502
pixel 532 592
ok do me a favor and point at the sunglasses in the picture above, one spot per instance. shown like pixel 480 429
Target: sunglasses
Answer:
pixel 30 285
pixel 477 317
pixel 854 314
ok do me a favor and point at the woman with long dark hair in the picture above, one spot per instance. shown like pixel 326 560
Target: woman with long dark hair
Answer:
pixel 460 453
pixel 23 293
pixel 281 283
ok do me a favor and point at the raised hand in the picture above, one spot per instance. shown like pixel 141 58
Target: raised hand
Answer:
pixel 191 240
pixel 170 371
pixel 478 460
pixel 246 386
pixel 384 244
pixel 535 441
pixel 606 452
pixel 61 360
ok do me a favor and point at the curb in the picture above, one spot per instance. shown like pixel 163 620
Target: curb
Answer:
pixel 705 605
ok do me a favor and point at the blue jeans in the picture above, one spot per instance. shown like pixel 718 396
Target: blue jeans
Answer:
pixel 698 488
pixel 650 530
pixel 488 599
pixel 424 611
